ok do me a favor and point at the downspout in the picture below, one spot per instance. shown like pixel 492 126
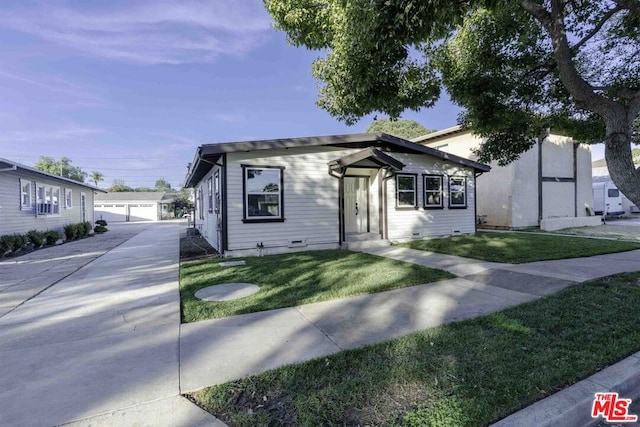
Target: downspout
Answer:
pixel 223 186
pixel 575 179
pixel 540 212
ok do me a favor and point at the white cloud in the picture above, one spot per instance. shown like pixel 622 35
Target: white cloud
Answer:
pixel 146 32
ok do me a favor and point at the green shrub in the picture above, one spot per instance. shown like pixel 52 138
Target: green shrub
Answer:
pixel 52 237
pixel 70 232
pixel 38 238
pixel 86 228
pixel 101 222
pixel 19 241
pixel 100 228
pixel 6 243
pixel 79 230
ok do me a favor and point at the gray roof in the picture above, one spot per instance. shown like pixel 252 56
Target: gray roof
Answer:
pixel 208 154
pixel 601 163
pixel 11 165
pixel 138 196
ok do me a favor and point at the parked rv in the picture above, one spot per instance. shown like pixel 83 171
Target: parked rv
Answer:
pixel 607 199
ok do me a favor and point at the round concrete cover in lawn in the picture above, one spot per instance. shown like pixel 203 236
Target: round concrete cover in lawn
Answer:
pixel 227 291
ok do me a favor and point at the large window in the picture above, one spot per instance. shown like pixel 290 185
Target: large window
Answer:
pixel 263 193
pixel 433 191
pixel 25 195
pixel 48 199
pixel 457 192
pixel 406 194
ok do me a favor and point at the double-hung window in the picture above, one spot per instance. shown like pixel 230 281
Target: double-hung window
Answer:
pixel 406 191
pixel 26 203
pixel 68 198
pixel 433 191
pixel 47 199
pixel 210 193
pixel 457 192
pixel 263 199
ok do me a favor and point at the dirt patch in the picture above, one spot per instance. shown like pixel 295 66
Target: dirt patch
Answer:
pixel 195 247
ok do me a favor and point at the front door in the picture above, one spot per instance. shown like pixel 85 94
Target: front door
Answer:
pixel 355 204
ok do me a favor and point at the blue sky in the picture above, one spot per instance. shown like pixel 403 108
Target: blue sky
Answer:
pixel 132 88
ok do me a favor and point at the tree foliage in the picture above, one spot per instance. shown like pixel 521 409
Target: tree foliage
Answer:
pixel 518 67
pixel 96 177
pixel 162 185
pixel 407 129
pixel 61 168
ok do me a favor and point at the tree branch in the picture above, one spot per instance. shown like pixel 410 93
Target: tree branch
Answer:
pixel 630 5
pixel 597 28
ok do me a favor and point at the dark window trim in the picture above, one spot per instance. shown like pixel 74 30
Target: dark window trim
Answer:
pixel 466 197
pixel 424 190
pixel 245 219
pixel 415 191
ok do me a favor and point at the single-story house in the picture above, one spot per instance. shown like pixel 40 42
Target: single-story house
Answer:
pixel 600 173
pixel 34 200
pixel 549 186
pixel 326 192
pixel 134 206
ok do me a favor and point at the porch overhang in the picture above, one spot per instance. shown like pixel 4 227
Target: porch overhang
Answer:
pixel 370 157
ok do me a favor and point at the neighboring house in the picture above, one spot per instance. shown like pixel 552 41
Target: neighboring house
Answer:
pixel 600 173
pixel 134 206
pixel 34 200
pixel 326 192
pixel 549 186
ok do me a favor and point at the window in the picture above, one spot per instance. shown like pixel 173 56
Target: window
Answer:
pixel 25 195
pixel 613 192
pixel 216 191
pixel 406 191
pixel 210 193
pixel 263 194
pixel 47 199
pixel 433 191
pixel 68 198
pixel 457 192
pixel 200 203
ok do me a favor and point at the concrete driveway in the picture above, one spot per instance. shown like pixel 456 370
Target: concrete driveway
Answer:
pixel 92 328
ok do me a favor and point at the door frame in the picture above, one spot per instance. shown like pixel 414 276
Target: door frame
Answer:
pixel 367 190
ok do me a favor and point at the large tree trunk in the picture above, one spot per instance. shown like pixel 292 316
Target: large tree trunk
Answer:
pixel 617 152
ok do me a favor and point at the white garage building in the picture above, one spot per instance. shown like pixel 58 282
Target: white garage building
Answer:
pixel 133 206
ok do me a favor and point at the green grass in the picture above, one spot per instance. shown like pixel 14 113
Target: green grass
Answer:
pixel 293 279
pixel 468 373
pixel 516 248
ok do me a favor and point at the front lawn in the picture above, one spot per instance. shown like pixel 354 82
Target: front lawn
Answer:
pixel 469 373
pixel 516 248
pixel 294 279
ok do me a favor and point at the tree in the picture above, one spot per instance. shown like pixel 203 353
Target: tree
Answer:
pixel 519 67
pixel 162 185
pixel 96 177
pixel 118 186
pixel 61 168
pixel 406 129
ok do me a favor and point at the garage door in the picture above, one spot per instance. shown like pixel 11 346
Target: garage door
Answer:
pixel 143 212
pixel 111 213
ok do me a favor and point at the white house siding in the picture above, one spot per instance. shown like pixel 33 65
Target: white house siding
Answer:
pixel 508 195
pixel 15 220
pixel 310 201
pixel 524 190
pixel 407 223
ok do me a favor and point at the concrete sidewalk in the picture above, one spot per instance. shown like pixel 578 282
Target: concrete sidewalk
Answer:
pixel 100 347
